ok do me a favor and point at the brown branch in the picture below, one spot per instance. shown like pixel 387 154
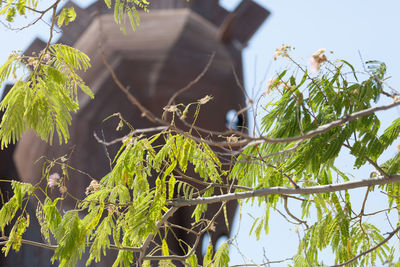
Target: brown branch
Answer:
pixel 42 13
pixel 277 169
pixel 122 139
pixel 285 190
pixel 237 114
pixel 187 230
pixel 54 247
pixel 191 252
pixel 321 129
pixel 286 218
pixel 193 82
pixel 380 211
pixel 32 243
pixel 262 264
pixel 53 22
pixel 300 199
pixel 364 202
pixel 196 180
pixel 291 215
pixel 145 112
pixel 370 161
pixel 377 167
pixel 150 237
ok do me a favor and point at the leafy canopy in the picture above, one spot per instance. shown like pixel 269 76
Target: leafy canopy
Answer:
pixel 311 119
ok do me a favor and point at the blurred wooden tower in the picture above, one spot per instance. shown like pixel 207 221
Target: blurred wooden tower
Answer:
pixel 172 45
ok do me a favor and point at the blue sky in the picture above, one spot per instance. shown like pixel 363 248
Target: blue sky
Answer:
pixel 346 27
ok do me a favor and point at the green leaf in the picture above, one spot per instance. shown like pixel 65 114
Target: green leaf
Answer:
pixel 108 3
pixel 164 248
pixel 101 241
pixel 6 7
pixel 10 208
pixel 221 257
pixel 66 16
pixel 169 170
pixel 171 186
pixel 21 5
pixel 129 8
pixel 192 260
pixel 351 67
pixel 15 236
pixel 70 235
pixel 11 12
pixel 207 260
pixel 44 101
pixel 184 155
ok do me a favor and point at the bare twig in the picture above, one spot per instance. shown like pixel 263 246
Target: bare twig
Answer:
pixel 380 211
pixel 53 23
pixel 376 166
pixel 196 243
pixel 150 237
pixel 137 131
pixel 364 201
pixel 262 264
pixel 277 169
pixel 145 112
pixel 41 12
pixel 286 218
pixel 291 215
pixel 193 82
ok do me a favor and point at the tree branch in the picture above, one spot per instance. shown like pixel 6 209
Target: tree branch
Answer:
pixel 196 243
pixel 54 247
pixel 146 243
pixel 291 215
pixel 321 129
pixel 286 190
pixel 193 82
pixel 136 131
pixel 391 234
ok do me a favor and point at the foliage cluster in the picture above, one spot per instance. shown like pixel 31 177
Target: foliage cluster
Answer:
pixel 311 120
